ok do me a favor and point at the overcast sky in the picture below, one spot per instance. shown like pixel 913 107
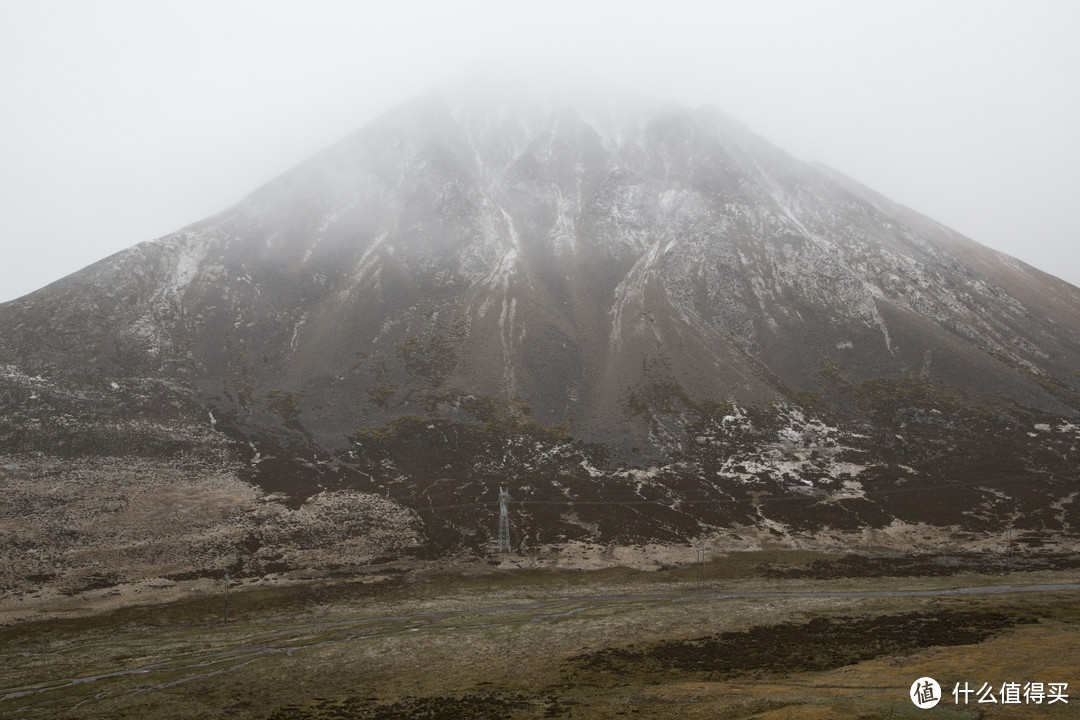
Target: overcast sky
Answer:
pixel 124 121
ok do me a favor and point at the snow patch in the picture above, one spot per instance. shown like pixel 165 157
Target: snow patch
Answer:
pixel 593 472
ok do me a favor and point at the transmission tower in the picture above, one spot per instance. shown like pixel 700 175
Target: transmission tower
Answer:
pixel 504 521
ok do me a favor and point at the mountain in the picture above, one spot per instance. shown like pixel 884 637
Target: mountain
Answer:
pixel 649 323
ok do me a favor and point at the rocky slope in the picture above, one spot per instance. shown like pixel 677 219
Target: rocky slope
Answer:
pixel 648 322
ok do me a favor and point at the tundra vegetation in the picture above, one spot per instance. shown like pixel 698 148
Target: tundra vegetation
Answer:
pixel 768 634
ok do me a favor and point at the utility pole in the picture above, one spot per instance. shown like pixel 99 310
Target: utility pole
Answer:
pixel 504 521
pixel 701 566
pixel 226 596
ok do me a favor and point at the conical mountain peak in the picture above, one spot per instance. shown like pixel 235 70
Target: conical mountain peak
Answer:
pixel 578 291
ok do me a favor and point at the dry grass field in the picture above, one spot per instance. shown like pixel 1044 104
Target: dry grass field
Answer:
pixel 765 635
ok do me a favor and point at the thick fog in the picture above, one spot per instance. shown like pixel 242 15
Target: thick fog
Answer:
pixel 124 121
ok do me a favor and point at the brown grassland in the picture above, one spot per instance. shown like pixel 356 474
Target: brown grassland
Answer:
pixel 764 635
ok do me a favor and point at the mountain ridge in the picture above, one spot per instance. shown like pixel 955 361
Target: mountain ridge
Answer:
pixel 653 303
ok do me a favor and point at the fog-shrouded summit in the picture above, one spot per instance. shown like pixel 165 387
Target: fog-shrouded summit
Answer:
pixel 602 296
